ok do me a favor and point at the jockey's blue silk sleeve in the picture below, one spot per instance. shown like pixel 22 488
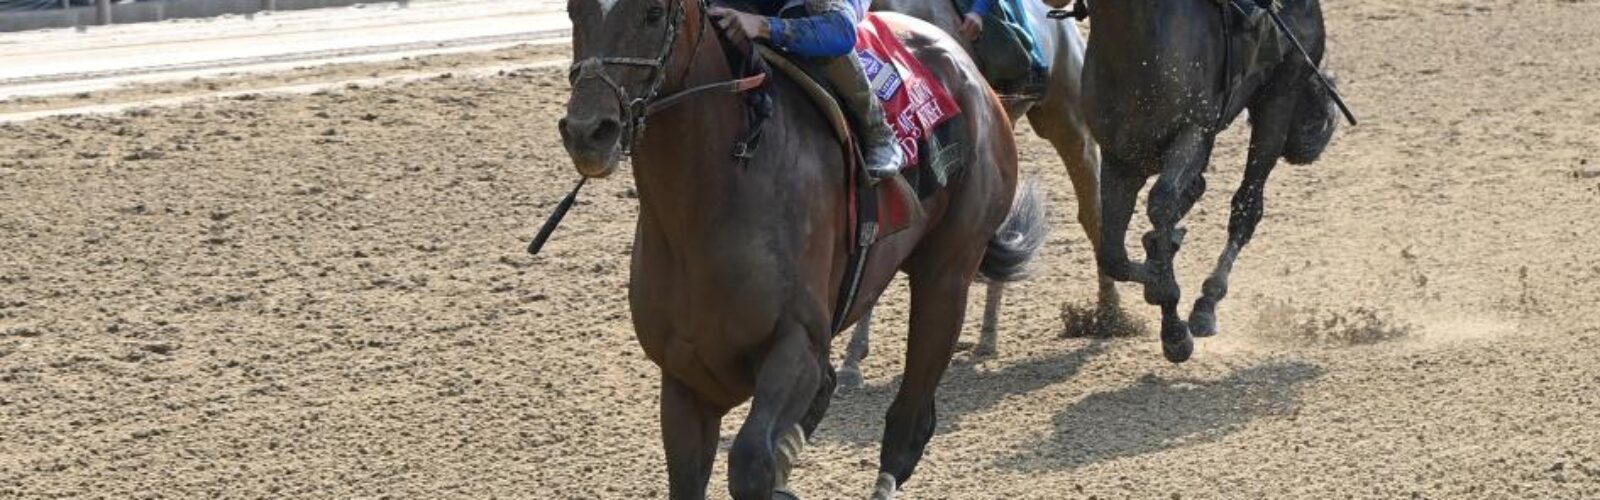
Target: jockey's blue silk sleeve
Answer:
pixel 981 7
pixel 831 34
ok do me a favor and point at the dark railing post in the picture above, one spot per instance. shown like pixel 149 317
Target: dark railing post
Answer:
pixel 269 5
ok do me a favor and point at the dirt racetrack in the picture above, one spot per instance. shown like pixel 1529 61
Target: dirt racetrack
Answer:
pixel 326 296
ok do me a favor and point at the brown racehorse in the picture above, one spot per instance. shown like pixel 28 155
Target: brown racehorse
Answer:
pixel 737 267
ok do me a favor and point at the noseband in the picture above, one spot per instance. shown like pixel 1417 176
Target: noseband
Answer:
pixel 636 109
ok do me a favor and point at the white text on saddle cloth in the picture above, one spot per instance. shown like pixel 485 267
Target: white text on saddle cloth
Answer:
pixel 912 99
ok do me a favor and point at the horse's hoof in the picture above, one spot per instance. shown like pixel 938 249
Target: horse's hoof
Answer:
pixel 849 379
pixel 784 494
pixel 1203 324
pixel 1176 343
pixel 985 350
pixel 1178 352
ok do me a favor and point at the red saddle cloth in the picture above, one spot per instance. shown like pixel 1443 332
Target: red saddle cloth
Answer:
pixel 914 101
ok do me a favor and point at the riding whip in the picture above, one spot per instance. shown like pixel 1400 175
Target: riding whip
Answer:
pixel 555 218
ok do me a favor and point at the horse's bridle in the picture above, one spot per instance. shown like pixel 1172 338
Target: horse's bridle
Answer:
pixel 635 110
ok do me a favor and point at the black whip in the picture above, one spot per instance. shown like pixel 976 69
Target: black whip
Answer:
pixel 551 223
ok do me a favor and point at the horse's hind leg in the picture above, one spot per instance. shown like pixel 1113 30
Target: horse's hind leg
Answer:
pixel 989 333
pixel 850 376
pixel 689 432
pixel 787 384
pixel 938 306
pixel 1174 193
pixel 1269 119
pixel 1059 121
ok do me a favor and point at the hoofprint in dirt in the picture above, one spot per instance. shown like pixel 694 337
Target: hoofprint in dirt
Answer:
pixel 325 296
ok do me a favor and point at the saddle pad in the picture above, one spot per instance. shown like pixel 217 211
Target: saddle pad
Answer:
pixel 914 101
pixel 916 106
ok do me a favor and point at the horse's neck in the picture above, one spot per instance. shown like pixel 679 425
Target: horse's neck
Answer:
pixel 683 160
pixel 1138 35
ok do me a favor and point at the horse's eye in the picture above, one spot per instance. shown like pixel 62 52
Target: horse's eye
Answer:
pixel 654 14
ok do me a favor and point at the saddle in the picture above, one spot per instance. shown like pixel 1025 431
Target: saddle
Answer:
pixel 920 110
pixel 878 212
pixel 888 206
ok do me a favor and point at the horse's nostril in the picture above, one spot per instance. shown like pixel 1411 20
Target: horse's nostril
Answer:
pixel 590 135
pixel 606 132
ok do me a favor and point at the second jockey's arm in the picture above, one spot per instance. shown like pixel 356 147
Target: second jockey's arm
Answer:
pixel 981 7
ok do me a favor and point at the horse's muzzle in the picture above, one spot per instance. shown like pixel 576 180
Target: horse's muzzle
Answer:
pixel 593 144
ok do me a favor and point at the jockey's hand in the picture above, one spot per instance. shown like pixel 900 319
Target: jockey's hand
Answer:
pixel 743 28
pixel 971 25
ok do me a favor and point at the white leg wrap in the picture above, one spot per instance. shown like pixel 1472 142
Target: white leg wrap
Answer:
pixel 789 448
pixel 885 488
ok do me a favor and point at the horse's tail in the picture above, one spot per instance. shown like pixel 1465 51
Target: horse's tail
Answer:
pixel 1315 119
pixel 1013 246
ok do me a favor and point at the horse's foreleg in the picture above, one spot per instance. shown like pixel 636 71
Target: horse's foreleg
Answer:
pixel 850 376
pixel 792 442
pixel 938 306
pixel 1175 192
pixel 769 442
pixel 689 432
pixel 1120 183
pixel 1269 120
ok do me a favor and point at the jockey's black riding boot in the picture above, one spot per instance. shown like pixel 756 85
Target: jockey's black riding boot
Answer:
pixel 878 142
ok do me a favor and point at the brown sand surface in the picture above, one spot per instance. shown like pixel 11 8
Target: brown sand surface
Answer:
pixel 325 296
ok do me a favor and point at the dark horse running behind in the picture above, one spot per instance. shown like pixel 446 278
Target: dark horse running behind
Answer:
pixel 1162 78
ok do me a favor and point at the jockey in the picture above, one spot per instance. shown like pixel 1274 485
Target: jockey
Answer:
pixel 1010 58
pixel 825 32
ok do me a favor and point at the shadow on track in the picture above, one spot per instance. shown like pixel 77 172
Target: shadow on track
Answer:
pixel 854 416
pixel 1157 413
